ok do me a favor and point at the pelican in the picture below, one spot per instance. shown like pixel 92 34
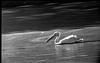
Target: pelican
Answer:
pixel 58 34
pixel 60 46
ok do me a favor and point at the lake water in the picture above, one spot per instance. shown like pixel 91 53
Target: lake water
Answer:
pixel 50 53
pixel 32 48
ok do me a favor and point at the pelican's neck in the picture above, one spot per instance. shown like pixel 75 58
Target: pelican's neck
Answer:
pixel 57 38
pixel 57 34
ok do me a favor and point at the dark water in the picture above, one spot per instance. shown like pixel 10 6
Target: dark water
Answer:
pixel 24 19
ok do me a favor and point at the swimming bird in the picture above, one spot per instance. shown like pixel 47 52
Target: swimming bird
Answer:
pixel 60 42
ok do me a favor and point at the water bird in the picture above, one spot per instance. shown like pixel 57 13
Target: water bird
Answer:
pixel 60 42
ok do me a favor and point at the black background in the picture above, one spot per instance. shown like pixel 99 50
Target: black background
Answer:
pixel 68 19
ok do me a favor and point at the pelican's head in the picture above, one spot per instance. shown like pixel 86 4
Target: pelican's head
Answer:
pixel 56 34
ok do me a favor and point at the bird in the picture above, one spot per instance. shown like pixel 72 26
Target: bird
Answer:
pixel 60 42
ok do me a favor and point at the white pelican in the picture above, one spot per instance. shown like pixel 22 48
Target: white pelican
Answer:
pixel 65 50
pixel 58 34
